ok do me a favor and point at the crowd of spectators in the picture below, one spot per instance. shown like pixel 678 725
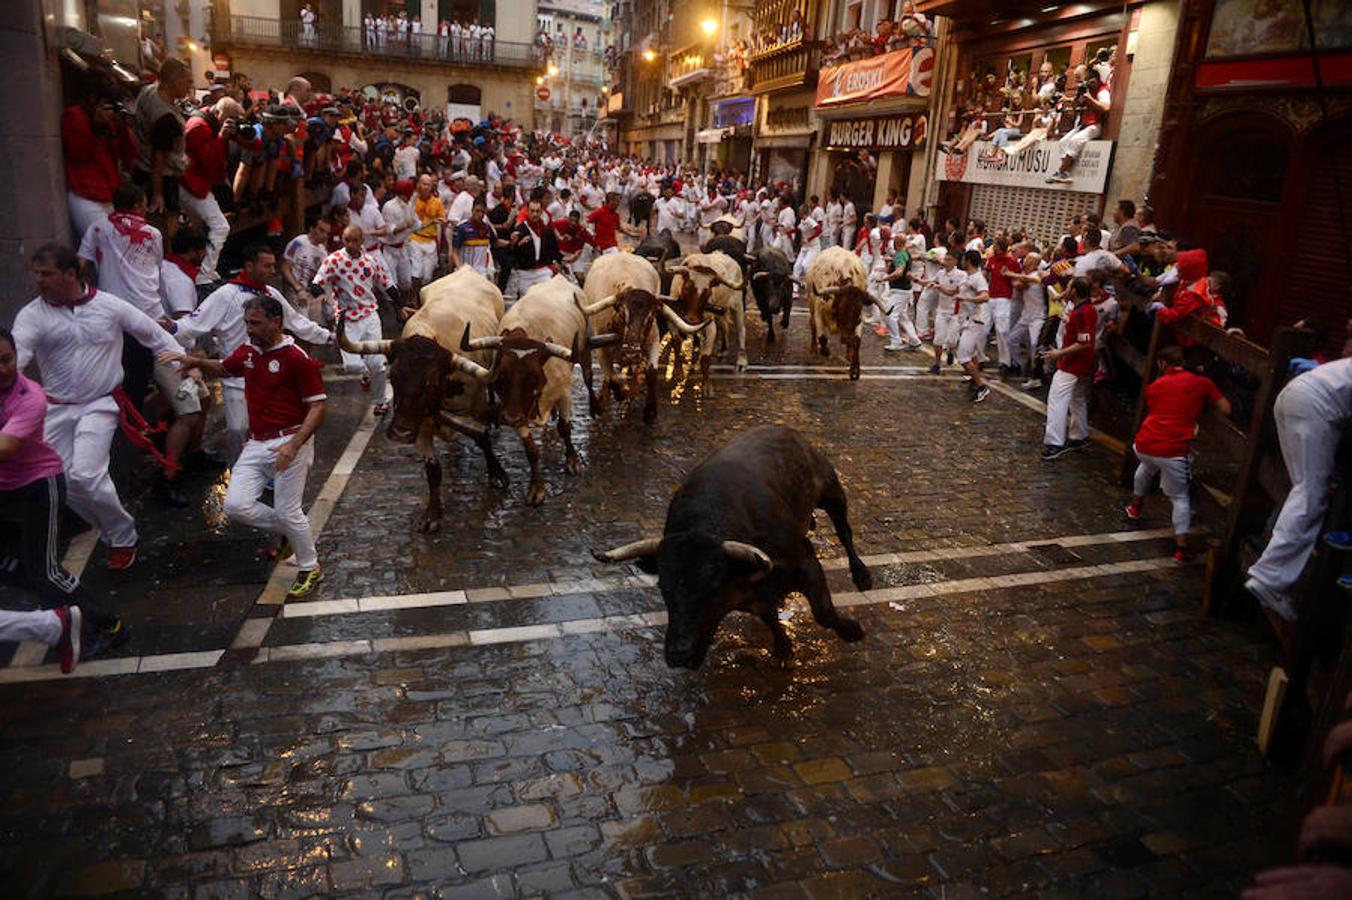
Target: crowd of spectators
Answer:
pixel 911 29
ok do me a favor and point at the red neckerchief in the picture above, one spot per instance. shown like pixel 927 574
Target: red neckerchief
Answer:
pixel 89 291
pixel 253 287
pixel 184 266
pixel 132 227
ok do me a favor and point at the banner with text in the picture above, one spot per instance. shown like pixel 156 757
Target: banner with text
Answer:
pixel 1031 168
pixel 901 73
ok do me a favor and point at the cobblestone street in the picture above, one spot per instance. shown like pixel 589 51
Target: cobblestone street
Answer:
pixel 1038 706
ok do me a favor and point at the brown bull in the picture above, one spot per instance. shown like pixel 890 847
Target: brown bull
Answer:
pixel 836 296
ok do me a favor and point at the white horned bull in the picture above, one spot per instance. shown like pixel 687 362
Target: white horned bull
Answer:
pixel 837 292
pixel 531 375
pixel 435 389
pixel 710 286
pixel 624 303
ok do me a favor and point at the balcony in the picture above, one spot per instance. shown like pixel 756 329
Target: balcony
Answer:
pixel 256 31
pixel 787 66
pixel 688 68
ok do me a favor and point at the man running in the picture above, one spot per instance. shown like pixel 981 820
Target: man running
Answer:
pixel 1069 392
pixel 286 400
pixel 354 281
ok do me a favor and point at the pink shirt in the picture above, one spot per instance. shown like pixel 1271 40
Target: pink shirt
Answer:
pixel 22 410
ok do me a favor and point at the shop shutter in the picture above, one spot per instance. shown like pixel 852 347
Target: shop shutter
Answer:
pixel 1317 272
pixel 1045 214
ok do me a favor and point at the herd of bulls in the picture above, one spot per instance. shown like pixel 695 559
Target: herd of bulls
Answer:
pixel 464 365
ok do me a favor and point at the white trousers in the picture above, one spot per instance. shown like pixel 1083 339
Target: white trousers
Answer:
pixel 256 464
pixel 41 625
pixel 85 212
pixel 1307 426
pixel 218 229
pixel 999 315
pixel 236 416
pixel 972 339
pixel 367 329
pixel 527 278
pixel 900 318
pixel 947 327
pixel 925 307
pixel 1023 343
pixel 397 261
pixel 81 434
pixel 1069 394
pixel 784 244
pixel 1175 475
pixel 422 259
pixel 806 257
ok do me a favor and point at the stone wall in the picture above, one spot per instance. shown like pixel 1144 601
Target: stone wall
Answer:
pixel 32 185
pixel 1144 106
pixel 507 94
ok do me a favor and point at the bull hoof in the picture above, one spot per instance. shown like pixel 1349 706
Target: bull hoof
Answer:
pixel 770 337
pixel 854 373
pixel 498 480
pixel 822 347
pixel 849 630
pixel 535 494
pixel 861 576
pixel 573 464
pixel 428 525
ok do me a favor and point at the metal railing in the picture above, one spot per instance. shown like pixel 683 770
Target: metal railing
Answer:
pixel 258 31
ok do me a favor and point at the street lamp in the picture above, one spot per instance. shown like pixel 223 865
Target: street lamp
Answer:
pixel 553 70
pixel 649 56
pixel 710 25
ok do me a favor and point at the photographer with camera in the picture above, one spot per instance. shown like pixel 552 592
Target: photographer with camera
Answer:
pixel 207 140
pixel 95 139
pixel 160 128
pixel 1092 101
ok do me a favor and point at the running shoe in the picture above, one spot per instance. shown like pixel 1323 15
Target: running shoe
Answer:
pixel 101 641
pixel 1184 556
pixel 381 409
pixel 916 347
pixel 1274 601
pixel 305 583
pixel 1051 452
pixel 880 330
pixel 282 551
pixel 981 393
pixel 1133 512
pixel 68 645
pixel 891 347
pixel 1032 384
pixel 1077 443
pixel 121 558
pixel 1339 540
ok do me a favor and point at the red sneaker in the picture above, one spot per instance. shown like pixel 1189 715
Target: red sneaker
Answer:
pixel 72 622
pixel 1184 556
pixel 1133 511
pixel 121 558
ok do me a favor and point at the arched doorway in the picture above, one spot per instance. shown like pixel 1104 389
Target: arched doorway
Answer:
pixel 1238 179
pixel 320 82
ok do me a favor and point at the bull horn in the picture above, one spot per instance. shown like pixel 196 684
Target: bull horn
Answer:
pixel 470 367
pixel 678 270
pixel 559 351
pixel 749 257
pixel 681 325
pixel 885 310
pixel 666 299
pixel 365 348
pixel 828 291
pixel 673 261
pixel 749 553
pixel 492 342
pixel 759 275
pixel 600 305
pixel 645 547
pixel 602 340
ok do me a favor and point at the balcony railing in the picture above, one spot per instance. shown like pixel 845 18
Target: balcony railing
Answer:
pixel 257 31
pixel 793 65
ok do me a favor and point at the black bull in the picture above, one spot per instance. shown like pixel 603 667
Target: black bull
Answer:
pixel 736 540
pixel 772 286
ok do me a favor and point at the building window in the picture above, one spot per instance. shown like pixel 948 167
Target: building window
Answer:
pixel 468 94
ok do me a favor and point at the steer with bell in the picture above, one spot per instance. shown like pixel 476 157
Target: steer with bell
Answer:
pixel 436 392
pixel 736 540
pixel 623 300
pixel 837 292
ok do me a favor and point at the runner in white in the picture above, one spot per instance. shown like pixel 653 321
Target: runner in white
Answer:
pixel 74 333
pixel 810 233
pixel 401 220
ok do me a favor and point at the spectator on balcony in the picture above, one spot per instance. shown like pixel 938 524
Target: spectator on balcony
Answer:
pixel 1092 103
pixel 307 26
pixel 443 38
pixel 382 32
pixel 415 34
pixel 368 23
pixel 96 142
pixel 159 128
pixel 207 142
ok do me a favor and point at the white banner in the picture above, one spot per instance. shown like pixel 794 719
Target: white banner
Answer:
pixel 1030 168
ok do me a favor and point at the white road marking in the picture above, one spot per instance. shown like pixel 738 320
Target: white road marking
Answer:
pixel 319 608
pixel 557 630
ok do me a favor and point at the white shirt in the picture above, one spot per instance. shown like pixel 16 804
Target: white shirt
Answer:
pixel 835 216
pixel 668 213
pixel 370 221
pixel 1096 260
pixel 400 222
pixel 786 221
pixel 406 162
pixel 178 292
pixel 811 232
pixel 351 283
pixel 972 285
pixel 712 210
pixel 79 348
pixel 849 215
pixel 977 243
pixel 460 208
pixel 591 196
pixel 222 314
pixel 127 268
pixel 304 255
pixel 1332 382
